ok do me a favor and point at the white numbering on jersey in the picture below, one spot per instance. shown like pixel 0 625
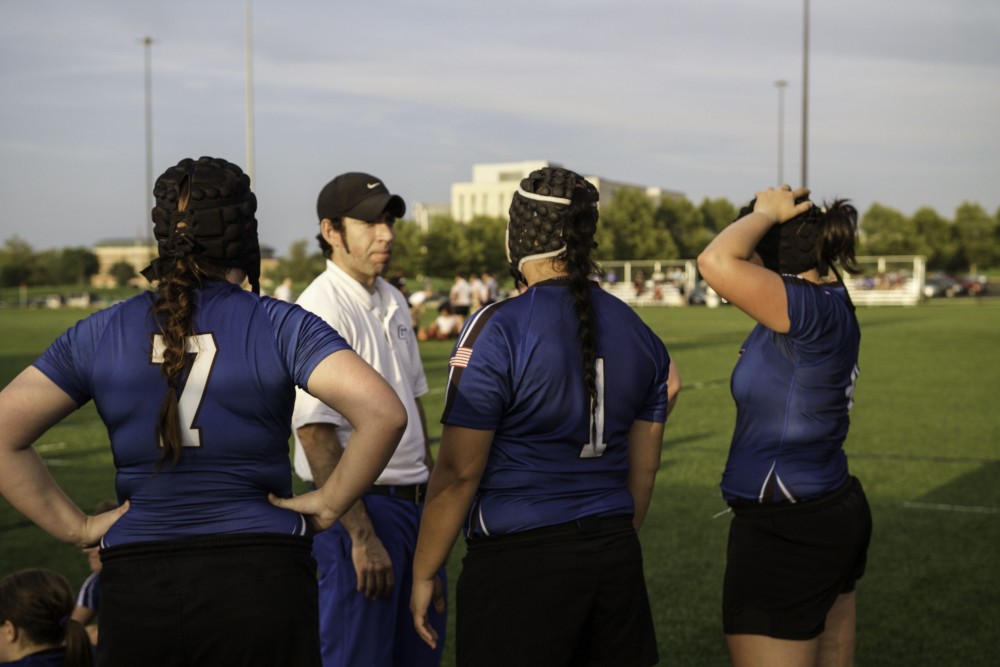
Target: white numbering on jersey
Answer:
pixel 202 346
pixel 593 449
pixel 850 388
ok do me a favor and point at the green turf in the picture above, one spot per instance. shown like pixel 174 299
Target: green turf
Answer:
pixel 924 442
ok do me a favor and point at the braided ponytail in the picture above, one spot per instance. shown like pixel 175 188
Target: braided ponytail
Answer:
pixel 579 265
pixel 554 215
pixel 174 312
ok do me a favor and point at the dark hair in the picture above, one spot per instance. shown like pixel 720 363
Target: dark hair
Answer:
pixel 821 237
pixel 324 245
pixel 538 226
pixel 39 604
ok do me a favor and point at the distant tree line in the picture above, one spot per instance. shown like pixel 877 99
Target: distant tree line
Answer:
pixel 21 265
pixel 632 227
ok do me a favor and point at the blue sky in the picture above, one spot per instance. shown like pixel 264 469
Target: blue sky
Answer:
pixel 904 104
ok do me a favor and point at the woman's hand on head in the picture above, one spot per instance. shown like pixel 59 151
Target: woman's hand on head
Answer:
pixel 779 203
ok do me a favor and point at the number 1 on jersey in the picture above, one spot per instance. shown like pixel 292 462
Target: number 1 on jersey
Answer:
pixel 202 346
pixel 592 449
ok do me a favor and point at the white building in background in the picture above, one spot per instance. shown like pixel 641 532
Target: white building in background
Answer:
pixel 493 186
pixel 137 253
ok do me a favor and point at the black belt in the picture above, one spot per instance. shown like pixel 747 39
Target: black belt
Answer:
pixel 415 493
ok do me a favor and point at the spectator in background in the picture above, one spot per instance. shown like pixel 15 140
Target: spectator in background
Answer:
pixel 476 291
pixel 35 624
pixel 640 283
pixel 490 290
pixel 284 290
pixel 418 304
pixel 460 296
pixel 398 280
pixel 446 325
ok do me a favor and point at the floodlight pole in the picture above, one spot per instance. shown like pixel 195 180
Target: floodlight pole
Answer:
pixel 781 84
pixel 805 96
pixel 248 29
pixel 147 43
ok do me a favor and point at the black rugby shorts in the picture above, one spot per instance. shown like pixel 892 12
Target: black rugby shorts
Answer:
pixel 787 563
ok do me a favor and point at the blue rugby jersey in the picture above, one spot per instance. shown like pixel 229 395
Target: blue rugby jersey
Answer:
pixel 793 392
pixel 89 595
pixel 236 400
pixel 517 369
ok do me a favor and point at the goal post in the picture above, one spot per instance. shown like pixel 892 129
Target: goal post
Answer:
pixel 885 280
pixel 888 280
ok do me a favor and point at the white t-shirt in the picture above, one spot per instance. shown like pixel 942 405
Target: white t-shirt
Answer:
pixel 378 327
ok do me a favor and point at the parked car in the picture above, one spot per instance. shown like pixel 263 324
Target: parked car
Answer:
pixel 974 285
pixel 941 285
pixel 698 295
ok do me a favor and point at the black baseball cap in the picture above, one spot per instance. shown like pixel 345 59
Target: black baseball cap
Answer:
pixel 359 196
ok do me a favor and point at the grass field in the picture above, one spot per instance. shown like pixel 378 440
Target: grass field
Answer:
pixel 925 441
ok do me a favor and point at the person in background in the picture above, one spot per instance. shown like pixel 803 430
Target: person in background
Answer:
pixel 364 560
pixel 418 304
pixel 36 629
pixel 490 289
pixel 801 526
pixel 553 427
pixel 460 296
pixel 446 325
pixel 195 382
pixel 284 290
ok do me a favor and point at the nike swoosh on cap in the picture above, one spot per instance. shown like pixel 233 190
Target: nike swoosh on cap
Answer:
pixel 372 186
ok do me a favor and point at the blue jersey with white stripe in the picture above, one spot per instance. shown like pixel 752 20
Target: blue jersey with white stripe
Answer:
pixel 89 595
pixel 517 369
pixel 236 400
pixel 793 392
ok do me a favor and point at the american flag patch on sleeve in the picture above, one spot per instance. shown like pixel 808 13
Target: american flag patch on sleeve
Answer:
pixel 461 358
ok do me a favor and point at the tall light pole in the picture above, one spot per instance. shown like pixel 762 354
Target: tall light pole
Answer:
pixel 248 29
pixel 805 95
pixel 147 43
pixel 781 84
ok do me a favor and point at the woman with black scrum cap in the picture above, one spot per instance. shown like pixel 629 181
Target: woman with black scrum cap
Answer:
pixel 203 563
pixel 553 425
pixel 799 536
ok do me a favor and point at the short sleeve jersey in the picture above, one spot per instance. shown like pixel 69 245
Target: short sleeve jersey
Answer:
pixel 247 355
pixel 517 370
pixel 793 393
pixel 378 327
pixel 54 657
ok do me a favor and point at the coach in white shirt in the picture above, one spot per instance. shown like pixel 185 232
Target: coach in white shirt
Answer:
pixel 365 559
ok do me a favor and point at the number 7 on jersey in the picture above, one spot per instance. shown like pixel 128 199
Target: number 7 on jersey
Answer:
pixel 202 346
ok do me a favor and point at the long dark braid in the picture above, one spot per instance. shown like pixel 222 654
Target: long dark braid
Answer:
pixel 174 312
pixel 554 215
pixel 204 225
pixel 579 234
